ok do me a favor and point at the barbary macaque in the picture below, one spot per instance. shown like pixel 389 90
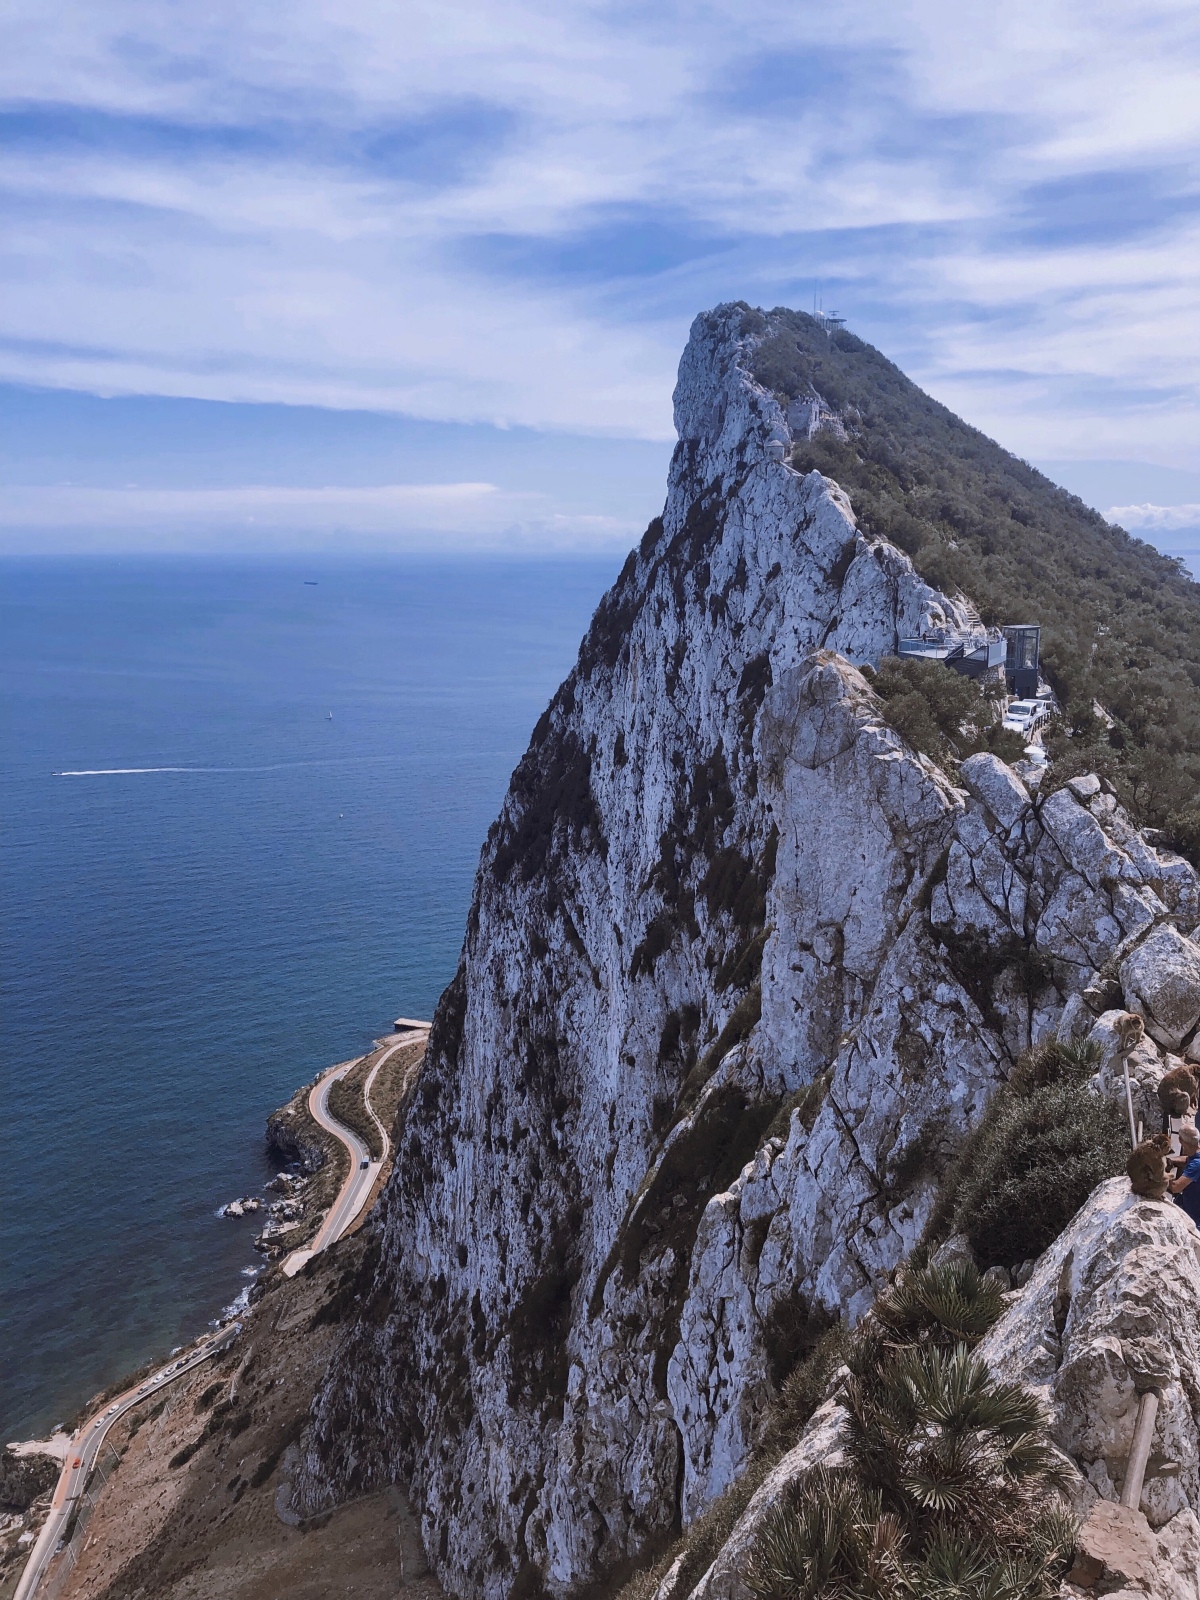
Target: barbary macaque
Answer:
pixel 1131 1030
pixel 1178 1093
pixel 1147 1167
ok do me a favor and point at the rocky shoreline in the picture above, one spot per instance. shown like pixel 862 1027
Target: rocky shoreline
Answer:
pixel 29 1469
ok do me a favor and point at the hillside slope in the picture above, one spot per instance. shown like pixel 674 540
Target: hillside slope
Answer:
pixel 741 969
pixel 1121 622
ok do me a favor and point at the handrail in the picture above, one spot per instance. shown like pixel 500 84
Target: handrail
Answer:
pixel 1139 1455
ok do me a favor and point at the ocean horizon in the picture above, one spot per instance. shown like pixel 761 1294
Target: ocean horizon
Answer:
pixel 243 805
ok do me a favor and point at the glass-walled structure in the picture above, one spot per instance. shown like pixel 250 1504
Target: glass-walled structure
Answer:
pixel 1022 658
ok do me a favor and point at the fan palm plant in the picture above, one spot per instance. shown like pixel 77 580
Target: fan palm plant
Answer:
pixel 939 1438
pixel 945 1304
pixel 943 1496
pixel 831 1542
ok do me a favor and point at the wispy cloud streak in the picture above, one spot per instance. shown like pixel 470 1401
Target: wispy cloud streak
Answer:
pixel 509 211
pixel 472 516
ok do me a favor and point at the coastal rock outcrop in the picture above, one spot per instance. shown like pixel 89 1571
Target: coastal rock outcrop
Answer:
pixel 291 1138
pixel 740 970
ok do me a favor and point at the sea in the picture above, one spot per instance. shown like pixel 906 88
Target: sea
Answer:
pixel 242 805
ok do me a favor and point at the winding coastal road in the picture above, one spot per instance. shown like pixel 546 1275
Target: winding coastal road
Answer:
pixel 87 1443
pixel 84 1451
pixel 356 1191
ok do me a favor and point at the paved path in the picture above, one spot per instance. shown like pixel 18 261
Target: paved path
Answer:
pixel 87 1443
pixel 84 1451
pixel 356 1191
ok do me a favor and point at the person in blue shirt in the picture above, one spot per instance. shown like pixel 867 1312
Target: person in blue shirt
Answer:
pixel 1186 1187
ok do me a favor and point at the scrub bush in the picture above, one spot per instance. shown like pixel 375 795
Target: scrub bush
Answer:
pixel 1033 1163
pixel 944 1493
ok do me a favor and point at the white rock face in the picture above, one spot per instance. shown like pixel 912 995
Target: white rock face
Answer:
pixel 718 877
pixel 819 1445
pixel 1113 1310
pixel 1161 977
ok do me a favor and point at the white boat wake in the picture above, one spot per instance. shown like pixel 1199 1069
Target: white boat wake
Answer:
pixel 278 766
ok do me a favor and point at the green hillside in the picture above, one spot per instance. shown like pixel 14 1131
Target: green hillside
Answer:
pixel 1121 622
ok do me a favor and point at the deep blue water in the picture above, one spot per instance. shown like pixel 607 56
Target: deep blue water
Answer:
pixel 180 951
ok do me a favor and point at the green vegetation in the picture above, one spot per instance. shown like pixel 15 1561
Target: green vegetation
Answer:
pixel 1041 1147
pixel 941 713
pixel 23 1478
pixel 940 1304
pixel 944 1495
pixel 346 1102
pixel 1120 622
pixel 209 1395
pixel 553 806
pixel 926 1419
pixel 804 1388
pixel 944 1491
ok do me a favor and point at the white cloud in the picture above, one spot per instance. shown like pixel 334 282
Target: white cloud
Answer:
pixel 226 231
pixel 1162 519
pixel 441 516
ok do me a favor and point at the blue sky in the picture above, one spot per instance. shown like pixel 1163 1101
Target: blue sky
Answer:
pixel 420 274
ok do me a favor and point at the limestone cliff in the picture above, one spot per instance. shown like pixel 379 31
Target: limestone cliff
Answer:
pixel 718 879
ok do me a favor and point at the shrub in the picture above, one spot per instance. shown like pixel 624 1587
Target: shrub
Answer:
pixel 1182 832
pixel 944 1492
pixel 209 1395
pixel 347 1102
pixel 941 1305
pixel 927 704
pixel 794 1327
pixel 1053 1062
pixel 1041 1156
pixel 805 1387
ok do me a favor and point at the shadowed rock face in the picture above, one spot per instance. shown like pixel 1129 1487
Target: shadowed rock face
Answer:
pixel 717 876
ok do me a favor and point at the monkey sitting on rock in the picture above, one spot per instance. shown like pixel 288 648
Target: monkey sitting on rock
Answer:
pixel 1131 1030
pixel 1178 1093
pixel 1147 1167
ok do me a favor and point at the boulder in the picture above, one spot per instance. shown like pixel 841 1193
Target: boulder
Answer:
pixel 1161 980
pixel 1113 1310
pixel 1117 1544
pixel 997 787
pixel 1118 1554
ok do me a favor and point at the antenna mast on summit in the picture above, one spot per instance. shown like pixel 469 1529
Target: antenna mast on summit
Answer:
pixel 829 320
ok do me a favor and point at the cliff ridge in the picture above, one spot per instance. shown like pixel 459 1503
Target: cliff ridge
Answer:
pixel 741 969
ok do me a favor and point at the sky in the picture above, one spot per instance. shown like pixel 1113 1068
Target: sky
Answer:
pixel 418 275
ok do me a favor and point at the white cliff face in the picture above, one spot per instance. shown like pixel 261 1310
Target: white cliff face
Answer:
pixel 918 1060
pixel 1111 1313
pixel 718 877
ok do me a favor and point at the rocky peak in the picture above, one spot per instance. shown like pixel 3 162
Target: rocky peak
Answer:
pixel 720 1017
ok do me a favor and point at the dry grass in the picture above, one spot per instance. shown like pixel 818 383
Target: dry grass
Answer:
pixel 393 1078
pixel 206 1529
